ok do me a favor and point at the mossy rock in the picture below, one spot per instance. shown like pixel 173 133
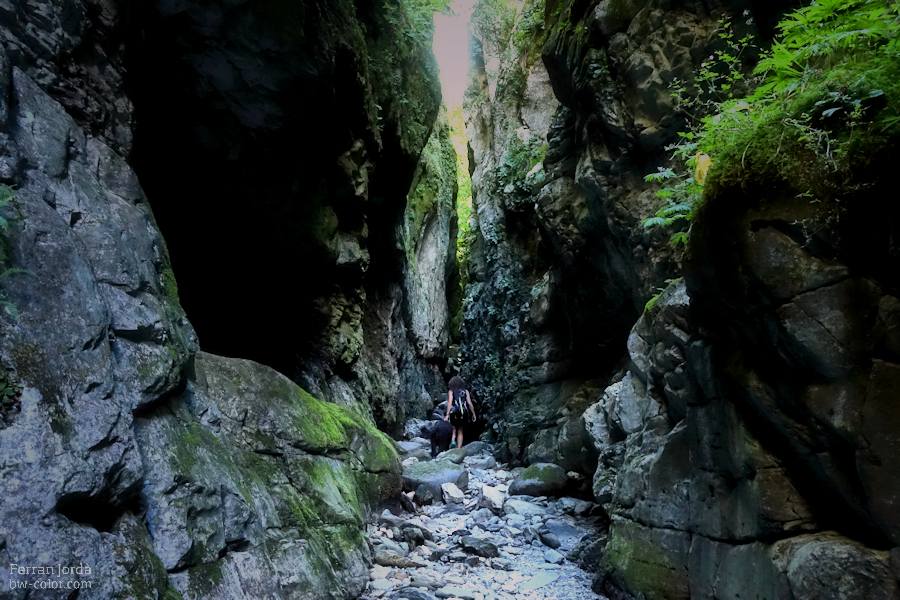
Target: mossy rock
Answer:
pixel 648 561
pixel 539 479
pixel 265 457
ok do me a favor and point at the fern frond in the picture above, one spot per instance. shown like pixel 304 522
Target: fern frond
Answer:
pixel 14 270
pixel 656 222
pixel 675 209
pixel 680 238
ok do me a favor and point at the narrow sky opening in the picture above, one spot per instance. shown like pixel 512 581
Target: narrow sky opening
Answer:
pixel 451 48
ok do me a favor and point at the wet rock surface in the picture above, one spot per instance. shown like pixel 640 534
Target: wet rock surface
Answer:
pixel 165 469
pixel 490 547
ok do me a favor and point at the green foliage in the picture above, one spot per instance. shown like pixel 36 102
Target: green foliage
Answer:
pixel 493 22
pixel 403 72
pixel 723 76
pixel 683 192
pixel 513 36
pixel 529 33
pixel 829 102
pixel 815 109
pixel 825 34
pixel 520 158
pixel 416 17
pixel 6 196
pixel 433 184
pixel 720 79
pixel 10 390
pixel 466 235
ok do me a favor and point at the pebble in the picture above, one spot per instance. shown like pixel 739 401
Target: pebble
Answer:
pixel 538 581
pixel 456 592
pixel 500 563
pixel 552 556
pixel 382 584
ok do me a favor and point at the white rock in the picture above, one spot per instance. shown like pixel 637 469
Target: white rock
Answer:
pixel 492 498
pixel 382 584
pixel 539 580
pixel 379 572
pixel 521 507
pixel 552 556
pixel 452 494
pixel 456 592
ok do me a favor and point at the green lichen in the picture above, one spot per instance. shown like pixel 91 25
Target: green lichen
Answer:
pixel 433 187
pixel 643 563
pixel 32 369
pixel 170 285
pixel 542 473
pixel 186 442
pixel 322 424
pixel 384 454
pixel 169 593
pixel 202 579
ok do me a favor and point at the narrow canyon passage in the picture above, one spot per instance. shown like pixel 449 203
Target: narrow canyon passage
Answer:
pixel 247 247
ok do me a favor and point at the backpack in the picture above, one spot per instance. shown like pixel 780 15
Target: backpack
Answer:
pixel 459 403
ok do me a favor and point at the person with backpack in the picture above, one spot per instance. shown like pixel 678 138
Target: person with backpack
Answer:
pixel 459 408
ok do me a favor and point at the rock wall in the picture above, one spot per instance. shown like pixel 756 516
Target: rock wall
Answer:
pixel 295 133
pixel 563 265
pixel 743 444
pixel 168 471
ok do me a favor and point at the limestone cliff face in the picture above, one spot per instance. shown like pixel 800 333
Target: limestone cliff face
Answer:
pixel 743 442
pixel 277 152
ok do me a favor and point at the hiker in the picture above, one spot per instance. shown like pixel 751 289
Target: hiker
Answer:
pixel 459 408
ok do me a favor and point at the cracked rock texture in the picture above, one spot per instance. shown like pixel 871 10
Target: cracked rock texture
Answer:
pixel 745 445
pixel 170 472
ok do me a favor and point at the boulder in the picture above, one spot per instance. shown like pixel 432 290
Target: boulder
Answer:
pixel 549 540
pixel 214 481
pixel 454 455
pixel 552 556
pixel 480 546
pixel 452 591
pixel 414 428
pixel 492 498
pixel 476 447
pixel 432 474
pixel 541 479
pixel 423 495
pixel 408 447
pixel 482 515
pixel 426 578
pixel 482 463
pixel 452 494
pixel 826 565
pixel 523 508
pixel 413 536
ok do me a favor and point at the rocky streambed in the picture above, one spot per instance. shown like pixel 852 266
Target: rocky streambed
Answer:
pixel 472 529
